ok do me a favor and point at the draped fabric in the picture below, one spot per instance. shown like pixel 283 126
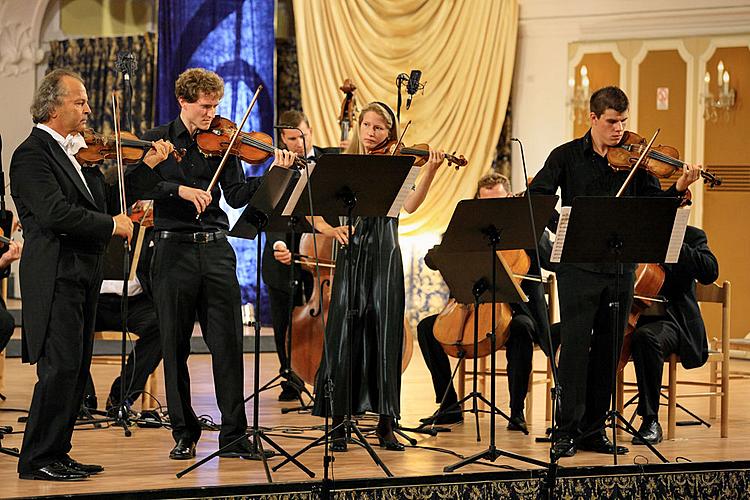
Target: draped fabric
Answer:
pixel 234 38
pixel 94 59
pixel 466 51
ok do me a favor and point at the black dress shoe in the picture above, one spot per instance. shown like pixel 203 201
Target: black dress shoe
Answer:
pixel 288 392
pixel 338 445
pixel 183 450
pixel 390 443
pixel 78 466
pixel 517 423
pixel 56 471
pixel 443 418
pixel 651 433
pixel 244 449
pixel 564 447
pixel 599 443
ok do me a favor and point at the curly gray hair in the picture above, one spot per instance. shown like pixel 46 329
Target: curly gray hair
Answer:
pixel 50 93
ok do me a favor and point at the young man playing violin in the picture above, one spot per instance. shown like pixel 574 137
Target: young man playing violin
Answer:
pixel 580 168
pixel 673 327
pixel 530 321
pixel 193 270
pixel 63 210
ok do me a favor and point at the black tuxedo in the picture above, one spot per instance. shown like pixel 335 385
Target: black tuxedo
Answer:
pixel 66 229
pixel 680 329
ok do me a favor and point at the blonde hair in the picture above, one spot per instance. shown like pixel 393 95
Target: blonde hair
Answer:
pixel 355 144
pixel 196 81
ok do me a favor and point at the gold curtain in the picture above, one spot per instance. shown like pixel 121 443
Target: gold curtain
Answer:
pixel 466 51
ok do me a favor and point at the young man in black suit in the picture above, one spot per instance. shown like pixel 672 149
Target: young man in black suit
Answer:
pixel 63 210
pixel 675 327
pixel 193 271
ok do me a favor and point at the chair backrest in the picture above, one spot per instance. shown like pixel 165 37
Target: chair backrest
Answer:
pixel 721 294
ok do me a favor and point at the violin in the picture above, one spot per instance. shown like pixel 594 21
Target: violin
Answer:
pixel 662 161
pixel 104 147
pixel 309 331
pixel 142 212
pixel 421 153
pixel 348 108
pixel 454 326
pixel 250 147
pixel 649 279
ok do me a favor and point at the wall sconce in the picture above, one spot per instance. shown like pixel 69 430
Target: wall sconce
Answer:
pixel 580 93
pixel 723 102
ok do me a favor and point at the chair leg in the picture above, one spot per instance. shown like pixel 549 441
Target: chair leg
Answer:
pixel 725 397
pixel 148 398
pixel 620 399
pixel 530 397
pixel 672 398
pixel 713 378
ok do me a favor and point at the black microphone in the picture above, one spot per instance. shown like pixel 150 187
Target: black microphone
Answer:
pixel 126 63
pixel 412 86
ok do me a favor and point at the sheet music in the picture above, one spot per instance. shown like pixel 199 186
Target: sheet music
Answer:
pixel 406 188
pixel 678 234
pixel 298 190
pixel 562 228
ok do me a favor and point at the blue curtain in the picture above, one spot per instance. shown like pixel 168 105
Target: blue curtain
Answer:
pixel 234 38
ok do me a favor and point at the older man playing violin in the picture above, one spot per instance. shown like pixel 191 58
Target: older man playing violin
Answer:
pixel 63 209
pixel 580 168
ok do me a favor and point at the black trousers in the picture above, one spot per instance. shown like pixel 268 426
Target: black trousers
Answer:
pixel 519 350
pixel 652 343
pixel 192 279
pixel 63 367
pixel 280 302
pixel 7 324
pixel 585 367
pixel 146 353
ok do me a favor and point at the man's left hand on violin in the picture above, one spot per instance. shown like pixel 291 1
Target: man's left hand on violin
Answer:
pixel 690 174
pixel 159 152
pixel 284 158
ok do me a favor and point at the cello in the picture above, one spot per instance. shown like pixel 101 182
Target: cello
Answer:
pixel 454 326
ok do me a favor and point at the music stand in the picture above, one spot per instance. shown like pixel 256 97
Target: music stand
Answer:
pixel 250 225
pixel 352 185
pixel 497 224
pixel 618 239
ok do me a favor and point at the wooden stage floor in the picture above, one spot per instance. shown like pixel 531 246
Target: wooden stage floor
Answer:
pixel 140 462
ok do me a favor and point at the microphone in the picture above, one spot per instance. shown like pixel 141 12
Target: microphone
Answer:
pixel 126 63
pixel 412 86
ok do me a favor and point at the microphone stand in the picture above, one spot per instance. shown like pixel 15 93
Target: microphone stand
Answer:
pixel 556 390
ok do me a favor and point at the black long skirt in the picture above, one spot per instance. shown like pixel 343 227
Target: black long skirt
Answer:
pixel 378 326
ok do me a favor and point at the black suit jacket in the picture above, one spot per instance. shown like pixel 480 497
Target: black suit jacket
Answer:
pixel 55 209
pixel 696 262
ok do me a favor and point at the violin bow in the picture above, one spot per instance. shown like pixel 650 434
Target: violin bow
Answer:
pixel 401 139
pixel 637 164
pixel 233 140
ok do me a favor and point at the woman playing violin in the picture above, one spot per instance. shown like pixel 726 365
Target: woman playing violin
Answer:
pixel 379 299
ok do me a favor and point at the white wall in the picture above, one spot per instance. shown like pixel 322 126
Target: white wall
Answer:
pixel 540 115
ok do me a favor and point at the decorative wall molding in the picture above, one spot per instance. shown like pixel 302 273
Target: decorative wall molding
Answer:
pixel 19 50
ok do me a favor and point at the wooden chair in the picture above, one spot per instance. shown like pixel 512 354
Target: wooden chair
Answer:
pixel 152 383
pixel 465 374
pixel 718 363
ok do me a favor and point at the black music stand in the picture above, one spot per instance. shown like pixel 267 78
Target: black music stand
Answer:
pixel 293 224
pixel 351 185
pixel 635 230
pixel 250 225
pixel 497 224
